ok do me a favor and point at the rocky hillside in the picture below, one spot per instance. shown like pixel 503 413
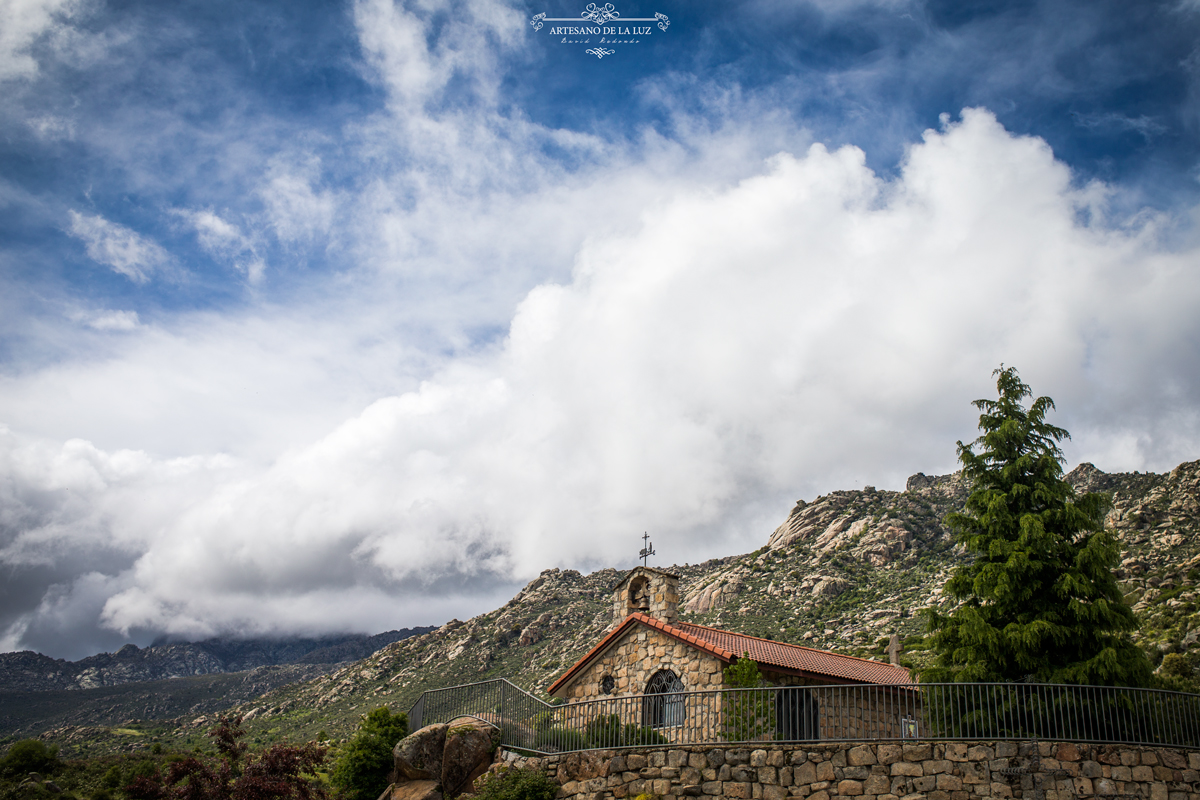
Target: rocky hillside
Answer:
pixel 842 572
pixel 33 672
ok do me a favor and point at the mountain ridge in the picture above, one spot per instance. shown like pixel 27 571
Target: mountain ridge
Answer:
pixel 28 671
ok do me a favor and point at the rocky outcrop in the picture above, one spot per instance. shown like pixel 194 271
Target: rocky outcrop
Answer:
pixel 470 746
pixel 443 758
pixel 419 755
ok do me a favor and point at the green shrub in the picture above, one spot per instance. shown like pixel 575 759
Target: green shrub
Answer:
pixel 113 779
pixel 516 784
pixel 29 755
pixel 362 770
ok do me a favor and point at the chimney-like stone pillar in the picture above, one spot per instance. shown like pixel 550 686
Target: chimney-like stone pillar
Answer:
pixel 650 591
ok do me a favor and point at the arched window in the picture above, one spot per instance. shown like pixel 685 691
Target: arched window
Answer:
pixel 795 714
pixel 663 705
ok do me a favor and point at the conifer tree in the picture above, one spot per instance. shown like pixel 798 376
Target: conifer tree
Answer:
pixel 1039 601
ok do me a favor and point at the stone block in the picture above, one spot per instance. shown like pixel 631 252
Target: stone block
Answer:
pixel 650 772
pixel 856 773
pixel 975 772
pixel 980 753
pixel 758 758
pixel 1150 759
pixel 804 774
pixel 799 757
pixel 907 768
pixel 711 787
pixel 739 756
pixel 918 752
pixel 925 784
pixel 1104 786
pixel 1190 775
pixel 1166 774
pixel 708 774
pixel 690 791
pixel 825 771
pixel 949 783
pixel 658 758
pixel 785 776
pixel 1000 790
pixel 738 791
pixel 1006 749
pixel 677 758
pixel 774 793
pixel 1142 773
pixel 744 774
pixel 1067 752
pixel 662 786
pixel 1158 792
pixel 697 760
pixel 690 776
pixel 1090 769
pixel 877 784
pixel 861 756
pixel 820 795
pixel 1194 761
pixel 1129 758
pixel 890 753
pixel 636 787
pixel 635 761
pixel 715 757
pixel 1178 796
pixel 776 758
pixel 725 772
pixel 1123 773
pixel 848 788
pixel 669 772
pixel 768 776
pixel 838 758
pixel 956 751
pixel 932 767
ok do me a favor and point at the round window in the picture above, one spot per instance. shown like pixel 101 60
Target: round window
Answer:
pixel 608 684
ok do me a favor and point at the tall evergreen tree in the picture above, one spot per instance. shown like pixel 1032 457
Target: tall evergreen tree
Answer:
pixel 1039 601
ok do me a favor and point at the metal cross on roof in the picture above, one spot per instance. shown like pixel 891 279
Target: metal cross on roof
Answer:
pixel 647 549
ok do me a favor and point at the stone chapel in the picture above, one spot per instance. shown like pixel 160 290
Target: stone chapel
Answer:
pixel 651 652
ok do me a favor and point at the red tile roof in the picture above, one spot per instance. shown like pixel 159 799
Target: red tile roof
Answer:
pixel 796 657
pixel 727 646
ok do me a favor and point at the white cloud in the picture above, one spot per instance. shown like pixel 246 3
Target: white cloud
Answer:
pixel 811 326
pixel 21 23
pixel 107 320
pixel 124 250
pixel 225 240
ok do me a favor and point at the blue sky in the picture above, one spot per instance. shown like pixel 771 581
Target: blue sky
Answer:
pixel 351 316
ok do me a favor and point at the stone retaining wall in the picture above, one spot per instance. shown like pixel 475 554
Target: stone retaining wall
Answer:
pixel 877 771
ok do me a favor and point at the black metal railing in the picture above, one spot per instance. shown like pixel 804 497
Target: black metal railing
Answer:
pixel 970 711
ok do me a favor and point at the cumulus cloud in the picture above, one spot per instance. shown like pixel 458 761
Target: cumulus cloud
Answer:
pixel 811 326
pixel 122 249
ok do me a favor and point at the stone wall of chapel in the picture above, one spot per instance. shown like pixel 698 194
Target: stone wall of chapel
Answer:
pixel 856 711
pixel 636 656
